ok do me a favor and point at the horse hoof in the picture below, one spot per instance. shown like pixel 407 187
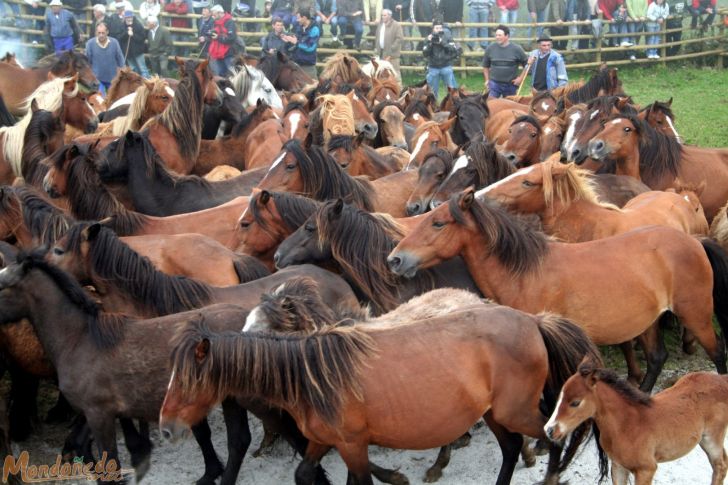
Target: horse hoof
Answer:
pixel 141 468
pixel 541 448
pixel 399 479
pixel 462 442
pixel 210 476
pixel 433 475
pixel 205 480
pixel 690 347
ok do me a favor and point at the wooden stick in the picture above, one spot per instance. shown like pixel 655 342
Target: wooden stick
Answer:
pixel 523 81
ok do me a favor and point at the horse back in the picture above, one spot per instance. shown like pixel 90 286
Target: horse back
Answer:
pixel 708 167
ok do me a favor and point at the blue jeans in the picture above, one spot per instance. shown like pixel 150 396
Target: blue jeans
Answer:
pixel 356 22
pixel 652 39
pixel 479 14
pixel 501 90
pixel 434 74
pixel 540 17
pixel 332 23
pixel 509 17
pixel 221 67
pixel 287 17
pixel 139 65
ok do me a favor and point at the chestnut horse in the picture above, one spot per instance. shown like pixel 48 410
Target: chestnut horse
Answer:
pixel 427 137
pixel 285 74
pixel 611 286
pixel 338 402
pixel 124 83
pixel 359 159
pixel 698 401
pixel 390 125
pixel 523 146
pixel 295 121
pixel 436 166
pixel 151 99
pixel 659 115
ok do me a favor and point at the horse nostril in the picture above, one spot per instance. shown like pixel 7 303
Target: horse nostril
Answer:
pixel 511 157
pixel 575 154
pixel 277 257
pixel 394 262
pixel 166 434
pixel 413 209
pixel 599 145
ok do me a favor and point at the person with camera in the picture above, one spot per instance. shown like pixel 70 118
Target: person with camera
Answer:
pixel 223 39
pixel 440 51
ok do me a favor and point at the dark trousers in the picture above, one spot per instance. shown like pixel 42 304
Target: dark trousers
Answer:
pixel 697 12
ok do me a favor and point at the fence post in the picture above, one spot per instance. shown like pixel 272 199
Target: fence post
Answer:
pixel 663 39
pixel 599 39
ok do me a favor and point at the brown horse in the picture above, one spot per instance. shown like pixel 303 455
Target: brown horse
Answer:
pixel 390 124
pixel 699 401
pixel 659 115
pixel 661 162
pixel 295 121
pixel 343 388
pixel 359 159
pixel 611 286
pixel 151 99
pixel 523 146
pixel 342 68
pixel 43 136
pixel 383 90
pixel 427 137
pixel 433 171
pixel 315 174
pixel 17 84
pixel 124 83
pixel 285 74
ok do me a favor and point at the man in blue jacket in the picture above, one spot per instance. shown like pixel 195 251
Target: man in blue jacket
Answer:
pixel 548 70
pixel 61 28
pixel 305 43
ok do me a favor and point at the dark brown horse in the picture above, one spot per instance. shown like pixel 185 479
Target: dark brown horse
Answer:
pixel 43 136
pixel 285 74
pixel 358 159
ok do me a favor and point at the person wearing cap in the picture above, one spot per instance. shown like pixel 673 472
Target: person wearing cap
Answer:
pixel 61 28
pixel 132 41
pixel 159 44
pixel 500 64
pixel 305 43
pixel 440 51
pixel 116 20
pixel 222 46
pixel 104 55
pixel 548 69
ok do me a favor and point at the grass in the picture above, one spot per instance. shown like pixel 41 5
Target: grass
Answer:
pixel 700 98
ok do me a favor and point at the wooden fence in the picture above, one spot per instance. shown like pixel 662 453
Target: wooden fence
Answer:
pixel 694 43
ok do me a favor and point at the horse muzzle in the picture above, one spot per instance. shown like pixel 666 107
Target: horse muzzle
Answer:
pixel 415 208
pixel 92 125
pixel 368 129
pixel 403 263
pixel 173 430
pixel 598 149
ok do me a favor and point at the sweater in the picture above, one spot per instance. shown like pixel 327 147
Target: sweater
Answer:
pixel 636 8
pixel 655 12
pixel 179 9
pixel 304 52
pixel 104 60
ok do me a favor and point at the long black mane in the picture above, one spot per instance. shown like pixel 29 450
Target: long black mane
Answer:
pixel 601 80
pixel 43 126
pixel 45 222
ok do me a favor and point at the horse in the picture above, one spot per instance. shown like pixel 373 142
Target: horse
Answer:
pixel 480 166
pixel 390 125
pixel 470 115
pixel 357 243
pixel 661 162
pixel 251 84
pixel 223 117
pixel 59 93
pixel 698 400
pixel 383 90
pixel 176 132
pixel 313 173
pixel 154 189
pixel 343 68
pixel 43 136
pixel 151 99
pixel 419 104
pixel 544 105
pixel 352 371
pixel 523 146
pixel 436 166
pixel 17 84
pixel 285 74
pixel 124 83
pixel 427 137
pixel 604 82
pixel 12 59
pixel 659 115
pixel 380 69
pixel 615 306
pixel 358 159
pixel 295 121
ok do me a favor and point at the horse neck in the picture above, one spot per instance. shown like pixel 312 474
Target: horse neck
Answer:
pixel 576 221
pixel 615 414
pixel 629 164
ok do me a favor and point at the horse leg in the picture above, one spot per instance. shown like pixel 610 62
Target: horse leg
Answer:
pixel 644 476
pixel 527 454
pixel 510 445
pixel 385 475
pixel 620 475
pixel 356 457
pixel 78 441
pixel 138 444
pixel 103 429
pixel 238 438
pixel 213 467
pixel 60 412
pixel 552 469
pixel 269 439
pixel 634 372
pixel 306 470
pixel 22 410
pixel 655 352
pixel 712 445
pixel 434 473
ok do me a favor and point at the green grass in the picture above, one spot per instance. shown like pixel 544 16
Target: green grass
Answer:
pixel 700 97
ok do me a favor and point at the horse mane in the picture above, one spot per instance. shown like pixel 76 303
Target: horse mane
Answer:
pixel 600 80
pixel 660 154
pixel 42 126
pixel 294 209
pixel 518 248
pixel 420 107
pixel 566 89
pixel 46 222
pixel 58 64
pixel 608 103
pixel 337 116
pixel 294 105
pixel 660 106
pixel 323 178
pixel 113 261
pixel 270 66
pixel 105 330
pixel 343 65
pixel 489 164
pixel 295 306
pixel 621 386
pixel 123 73
pixel 316 370
pixel 348 144
pixel 248 118
pixel 136 116
pixel 389 83
pixel 575 184
pixel 183 116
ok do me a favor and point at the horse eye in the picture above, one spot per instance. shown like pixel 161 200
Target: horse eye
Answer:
pixel 267 90
pixel 510 130
pixel 290 167
pixel 627 129
pixel 533 135
pixel 575 404
pixel 58 251
pixel 309 228
pixel 659 122
pixel 439 224
pixel 244 224
pixel 527 184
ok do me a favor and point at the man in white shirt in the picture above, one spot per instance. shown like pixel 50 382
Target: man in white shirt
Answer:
pixel 388 40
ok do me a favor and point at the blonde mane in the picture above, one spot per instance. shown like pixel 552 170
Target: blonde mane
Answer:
pixel 49 97
pixel 575 184
pixel 337 116
pixel 138 114
pixel 344 66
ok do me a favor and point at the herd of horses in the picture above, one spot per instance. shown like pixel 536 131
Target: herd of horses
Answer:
pixel 355 263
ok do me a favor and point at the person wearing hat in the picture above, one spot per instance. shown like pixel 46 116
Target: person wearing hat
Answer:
pixel 116 20
pixel 222 46
pixel 440 51
pixel 61 28
pixel 104 55
pixel 548 69
pixel 132 40
pixel 99 15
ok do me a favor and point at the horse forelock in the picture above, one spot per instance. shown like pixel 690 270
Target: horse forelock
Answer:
pixel 296 305
pixel 574 184
pixel 490 165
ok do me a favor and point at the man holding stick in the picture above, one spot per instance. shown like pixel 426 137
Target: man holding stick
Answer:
pixel 500 65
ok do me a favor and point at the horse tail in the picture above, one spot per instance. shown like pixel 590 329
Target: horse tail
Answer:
pixel 249 268
pixel 567 344
pixel 6 118
pixel 718 258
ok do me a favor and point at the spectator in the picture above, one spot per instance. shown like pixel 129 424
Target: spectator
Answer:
pixel 421 11
pixel 61 28
pixel 308 5
pixel 401 13
pixel 199 5
pixel 277 40
pixel 637 11
pixel 388 40
pixel 224 37
pixel 34 8
pixel 675 23
pixel 350 12
pixel 548 70
pixel 159 46
pixel 204 31
pixel 479 11
pixel 326 14
pixel 306 43
pixel 500 65
pixel 451 13
pixel 537 11
pixel 178 7
pixel 132 41
pixel 557 13
pixel 508 12
pixel 657 12
pixel 98 15
pixel 105 56
pixel 116 20
pixel 700 7
pixel 76 7
pixel 610 11
pixel 440 52
pixel 149 8
pixel 284 10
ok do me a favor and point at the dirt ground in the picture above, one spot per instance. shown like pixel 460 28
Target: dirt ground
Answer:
pixel 181 463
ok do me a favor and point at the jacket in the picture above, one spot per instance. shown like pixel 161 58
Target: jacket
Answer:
pixel 204 27
pixel 636 8
pixel 508 4
pixel 179 9
pixel 704 3
pixel 63 26
pixel 608 7
pixel 161 45
pixel 222 47
pixel 304 52
pixel 392 39
pixel 440 54
pixel 451 11
pixel 555 69
pixel 272 41
pixel 135 42
pixel 345 8
pixel 655 12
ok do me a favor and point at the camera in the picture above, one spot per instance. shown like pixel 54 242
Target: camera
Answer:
pixel 436 38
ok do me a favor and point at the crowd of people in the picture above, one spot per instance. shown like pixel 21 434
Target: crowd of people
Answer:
pixel 121 35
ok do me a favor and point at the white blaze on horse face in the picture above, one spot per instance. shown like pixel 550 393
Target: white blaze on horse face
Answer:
pixel 418 145
pixel 229 92
pixel 593 114
pixel 254 319
pixel 553 422
pixel 484 191
pixel 277 161
pixel 617 121
pixel 544 105
pixel 570 131
pixel 171 380
pixel 460 164
pixel 547 130
pixel 170 91
pixel 295 120
pixel 416 116
pixel 128 99
pixel 672 127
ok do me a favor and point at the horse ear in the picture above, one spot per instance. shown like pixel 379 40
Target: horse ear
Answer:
pixel 149 84
pixel 308 141
pixel 264 197
pixel 201 350
pixel 90 233
pixel 337 208
pixel 622 102
pixel 203 65
pixel 180 63
pixel 447 124
pixel 466 198
pixel 34 106
pixel 588 370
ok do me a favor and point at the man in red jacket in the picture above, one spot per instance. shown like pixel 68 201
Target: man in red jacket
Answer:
pixel 700 7
pixel 222 46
